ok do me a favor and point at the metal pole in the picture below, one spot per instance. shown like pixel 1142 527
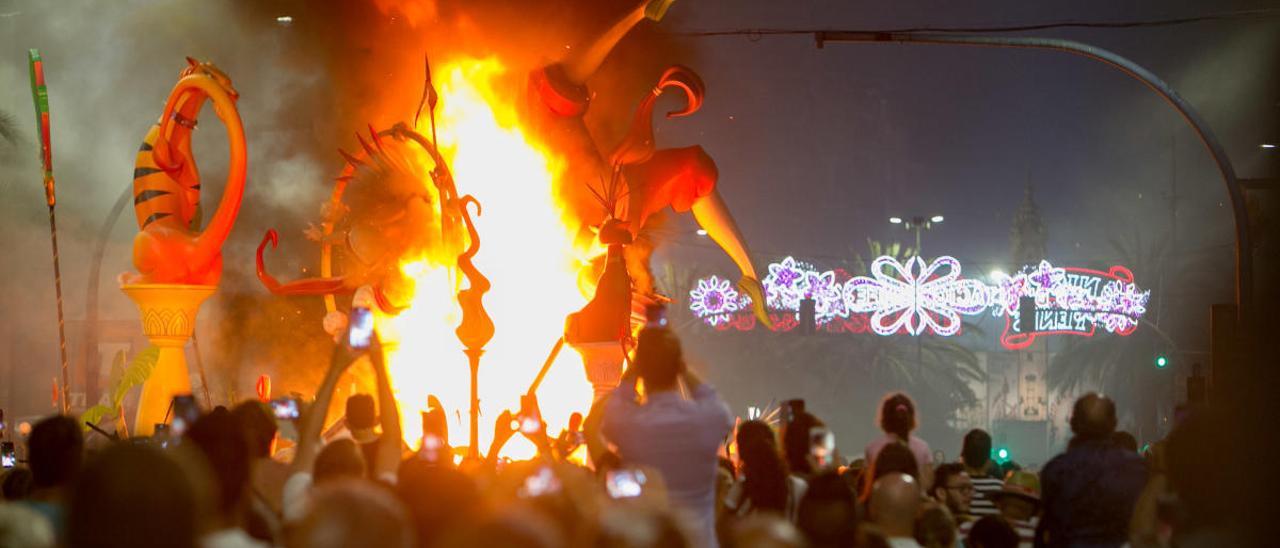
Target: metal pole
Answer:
pixel 1244 259
pixel 62 331
pixel 473 356
pixel 40 97
pixel 204 381
pixel 546 366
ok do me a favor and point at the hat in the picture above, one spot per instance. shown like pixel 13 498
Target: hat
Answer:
pixel 1022 484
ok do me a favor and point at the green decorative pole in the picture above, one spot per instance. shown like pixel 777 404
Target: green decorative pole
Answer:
pixel 40 95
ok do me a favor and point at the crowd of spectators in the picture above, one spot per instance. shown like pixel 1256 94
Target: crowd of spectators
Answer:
pixel 661 461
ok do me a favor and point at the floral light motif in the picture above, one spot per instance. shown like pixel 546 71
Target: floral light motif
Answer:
pixel 916 297
pixel 715 300
pixel 787 284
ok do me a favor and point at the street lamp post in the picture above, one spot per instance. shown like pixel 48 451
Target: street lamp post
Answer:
pixel 918 224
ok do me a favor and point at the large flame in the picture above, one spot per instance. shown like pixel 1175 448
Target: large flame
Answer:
pixel 527 253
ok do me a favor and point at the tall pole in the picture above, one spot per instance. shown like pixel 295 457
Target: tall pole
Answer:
pixel 40 95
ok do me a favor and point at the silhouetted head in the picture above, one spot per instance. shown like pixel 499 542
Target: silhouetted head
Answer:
pixel 895 458
pixel 360 412
pixel 797 442
pixel 349 513
pixel 766 531
pixel 136 496
pixel 439 499
pixel 1093 417
pixel 936 528
pixel 898 415
pixel 895 502
pixel 828 513
pixel 977 449
pixel 17 484
pixel 54 451
pixel 640 526
pixel 258 425
pixel 992 532
pixel 659 359
pixel 226 450
pixel 1125 440
pixel 339 459
pixel 764 469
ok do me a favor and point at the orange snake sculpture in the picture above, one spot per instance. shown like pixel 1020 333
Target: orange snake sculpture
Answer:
pixel 170 248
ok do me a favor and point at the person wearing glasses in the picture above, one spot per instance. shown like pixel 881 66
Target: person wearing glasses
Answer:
pixel 953 488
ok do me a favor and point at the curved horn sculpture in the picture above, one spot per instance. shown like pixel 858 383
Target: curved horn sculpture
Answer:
pixel 166 197
pixel 638 145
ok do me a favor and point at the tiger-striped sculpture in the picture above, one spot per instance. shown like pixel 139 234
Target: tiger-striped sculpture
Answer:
pixel 170 248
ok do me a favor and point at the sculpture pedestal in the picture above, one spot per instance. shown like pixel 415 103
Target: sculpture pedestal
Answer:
pixel 603 364
pixel 168 320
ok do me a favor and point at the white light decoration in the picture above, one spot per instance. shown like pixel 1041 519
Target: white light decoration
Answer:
pixel 915 298
pixel 714 300
pixel 912 297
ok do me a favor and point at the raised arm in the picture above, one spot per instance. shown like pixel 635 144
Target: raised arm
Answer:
pixel 388 459
pixel 309 442
pixel 618 404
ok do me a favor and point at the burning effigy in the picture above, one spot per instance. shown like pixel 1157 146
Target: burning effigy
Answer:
pixel 564 260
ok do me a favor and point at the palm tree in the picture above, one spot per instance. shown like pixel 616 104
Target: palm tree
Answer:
pixel 1122 367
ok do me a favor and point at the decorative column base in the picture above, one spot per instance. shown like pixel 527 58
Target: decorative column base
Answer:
pixel 602 362
pixel 168 320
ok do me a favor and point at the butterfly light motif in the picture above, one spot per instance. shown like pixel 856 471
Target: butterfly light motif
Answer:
pixel 915 296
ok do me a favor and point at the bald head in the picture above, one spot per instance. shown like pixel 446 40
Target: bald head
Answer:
pixel 1093 417
pixel 895 501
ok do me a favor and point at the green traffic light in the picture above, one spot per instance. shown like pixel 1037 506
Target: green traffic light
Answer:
pixel 1161 362
pixel 1002 454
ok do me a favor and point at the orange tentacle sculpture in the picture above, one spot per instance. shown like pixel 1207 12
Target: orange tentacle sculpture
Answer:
pixel 638 145
pixel 169 247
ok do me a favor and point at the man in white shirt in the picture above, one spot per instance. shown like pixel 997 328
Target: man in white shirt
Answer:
pixel 678 437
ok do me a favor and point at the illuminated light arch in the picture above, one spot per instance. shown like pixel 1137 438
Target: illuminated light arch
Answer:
pixel 919 297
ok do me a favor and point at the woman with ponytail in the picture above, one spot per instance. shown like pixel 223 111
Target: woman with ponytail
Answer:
pixel 898 419
pixel 766 483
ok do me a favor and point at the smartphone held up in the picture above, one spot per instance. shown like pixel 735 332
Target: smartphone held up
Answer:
pixel 624 483
pixel 285 409
pixel 185 412
pixel 360 333
pixel 8 454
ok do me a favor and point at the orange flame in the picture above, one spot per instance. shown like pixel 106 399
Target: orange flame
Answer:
pixel 527 253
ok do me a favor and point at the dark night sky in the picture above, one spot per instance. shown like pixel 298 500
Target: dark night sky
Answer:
pixel 827 144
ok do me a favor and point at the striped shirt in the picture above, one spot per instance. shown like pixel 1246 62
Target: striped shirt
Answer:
pixel 984 494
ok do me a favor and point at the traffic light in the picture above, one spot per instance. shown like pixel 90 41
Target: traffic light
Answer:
pixel 1002 455
pixel 1162 361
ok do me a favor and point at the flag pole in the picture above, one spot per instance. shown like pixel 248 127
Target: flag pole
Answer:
pixel 40 95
